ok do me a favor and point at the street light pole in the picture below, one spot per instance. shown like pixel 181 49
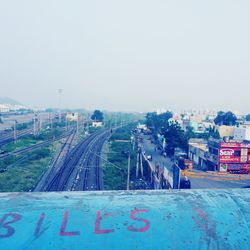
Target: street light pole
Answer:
pixel 34 125
pixel 15 133
pixel 128 177
pixel 60 103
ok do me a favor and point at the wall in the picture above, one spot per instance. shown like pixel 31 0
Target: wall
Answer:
pixel 190 219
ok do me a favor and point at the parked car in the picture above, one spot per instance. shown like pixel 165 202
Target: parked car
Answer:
pixel 149 157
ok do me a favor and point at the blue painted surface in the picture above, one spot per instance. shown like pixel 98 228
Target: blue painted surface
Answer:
pixel 190 219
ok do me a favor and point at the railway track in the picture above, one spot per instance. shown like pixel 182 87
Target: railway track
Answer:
pixel 34 147
pixel 56 163
pixel 92 179
pixel 7 138
pixel 79 166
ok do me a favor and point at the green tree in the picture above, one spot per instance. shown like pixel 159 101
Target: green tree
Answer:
pixel 97 116
pixel 219 118
pixel 248 117
pixel 175 137
pixel 228 118
pixel 157 122
pixel 150 119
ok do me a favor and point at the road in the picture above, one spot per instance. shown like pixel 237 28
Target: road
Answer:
pixel 81 168
pixel 199 179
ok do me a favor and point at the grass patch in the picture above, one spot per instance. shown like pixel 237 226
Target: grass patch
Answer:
pixel 21 173
pixel 21 143
pixel 25 175
pixel 115 178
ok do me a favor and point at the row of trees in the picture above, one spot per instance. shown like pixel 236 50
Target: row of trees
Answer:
pixel 228 118
pixel 225 118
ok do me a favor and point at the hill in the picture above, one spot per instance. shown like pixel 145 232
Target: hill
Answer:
pixel 8 100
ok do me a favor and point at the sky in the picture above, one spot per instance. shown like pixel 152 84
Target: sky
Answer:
pixel 133 55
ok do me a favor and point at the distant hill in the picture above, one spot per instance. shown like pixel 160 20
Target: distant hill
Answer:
pixel 9 101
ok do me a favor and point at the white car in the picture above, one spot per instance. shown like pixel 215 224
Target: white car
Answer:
pixel 149 157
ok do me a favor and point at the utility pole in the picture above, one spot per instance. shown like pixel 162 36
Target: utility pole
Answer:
pixel 77 125
pixel 88 126
pixel 40 123
pixel 67 123
pixel 34 126
pixel 141 165
pixel 128 178
pixel 51 121
pixel 137 165
pixel 14 132
pixel 60 103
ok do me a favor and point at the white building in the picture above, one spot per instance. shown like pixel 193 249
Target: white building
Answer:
pixel 4 108
pixel 242 134
pixel 96 124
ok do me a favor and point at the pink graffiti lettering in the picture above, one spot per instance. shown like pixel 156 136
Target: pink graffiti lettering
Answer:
pixel 38 231
pixel 146 222
pixel 98 224
pixel 3 224
pixel 63 227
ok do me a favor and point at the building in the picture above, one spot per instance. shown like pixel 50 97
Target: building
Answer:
pixel 217 155
pixel 241 134
pixel 96 124
pixel 226 131
pixel 4 108
pixel 72 116
pixel 197 153
pixel 229 156
pixel 142 127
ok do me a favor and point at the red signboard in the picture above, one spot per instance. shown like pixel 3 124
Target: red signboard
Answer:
pixel 228 155
pixel 234 145
pixel 234 154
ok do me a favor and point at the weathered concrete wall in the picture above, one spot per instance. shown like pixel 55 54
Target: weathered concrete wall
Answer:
pixel 190 219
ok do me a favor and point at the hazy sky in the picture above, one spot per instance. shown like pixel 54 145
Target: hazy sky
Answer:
pixel 126 55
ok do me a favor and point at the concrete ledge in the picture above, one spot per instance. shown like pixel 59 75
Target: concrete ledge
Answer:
pixel 166 219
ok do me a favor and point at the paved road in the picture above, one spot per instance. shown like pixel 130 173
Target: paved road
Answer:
pixel 198 179
pixel 157 158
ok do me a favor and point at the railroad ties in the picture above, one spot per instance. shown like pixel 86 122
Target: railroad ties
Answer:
pixel 80 170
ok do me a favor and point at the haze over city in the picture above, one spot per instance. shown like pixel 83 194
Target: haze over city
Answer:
pixel 124 124
pixel 126 55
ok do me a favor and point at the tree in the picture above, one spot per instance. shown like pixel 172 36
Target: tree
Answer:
pixel 228 118
pixel 175 137
pixel 248 118
pixel 1 121
pixel 97 116
pixel 150 119
pixel 157 122
pixel 219 118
